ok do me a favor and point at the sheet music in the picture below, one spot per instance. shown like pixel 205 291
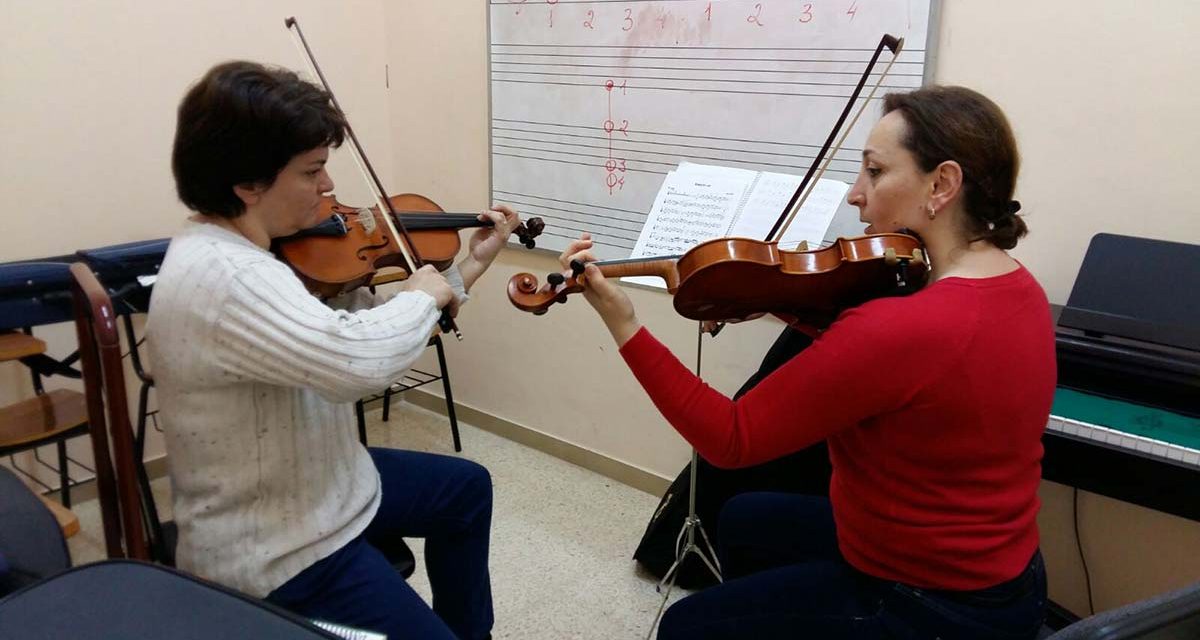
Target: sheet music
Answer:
pixel 699 202
pixel 691 207
pixel 771 195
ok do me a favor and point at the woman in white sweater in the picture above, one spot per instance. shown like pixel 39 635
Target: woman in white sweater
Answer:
pixel 273 494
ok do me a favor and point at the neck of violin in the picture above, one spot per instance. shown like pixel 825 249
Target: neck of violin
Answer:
pixel 662 266
pixel 427 220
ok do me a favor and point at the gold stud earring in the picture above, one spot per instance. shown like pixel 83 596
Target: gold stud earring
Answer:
pixel 931 210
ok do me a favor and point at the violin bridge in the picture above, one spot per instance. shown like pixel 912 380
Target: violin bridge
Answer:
pixel 367 220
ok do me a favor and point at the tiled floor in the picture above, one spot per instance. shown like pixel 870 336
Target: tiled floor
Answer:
pixel 562 536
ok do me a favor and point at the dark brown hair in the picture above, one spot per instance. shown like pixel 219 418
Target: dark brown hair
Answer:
pixel 956 123
pixel 241 124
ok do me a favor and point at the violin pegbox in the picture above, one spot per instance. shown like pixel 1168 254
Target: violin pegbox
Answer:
pixel 529 230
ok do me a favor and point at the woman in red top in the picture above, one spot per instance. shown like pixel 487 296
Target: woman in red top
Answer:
pixel 932 405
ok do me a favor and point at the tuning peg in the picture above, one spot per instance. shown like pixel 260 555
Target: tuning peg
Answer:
pixel 577 268
pixel 555 279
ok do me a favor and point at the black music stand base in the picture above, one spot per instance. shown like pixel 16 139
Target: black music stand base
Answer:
pixel 685 544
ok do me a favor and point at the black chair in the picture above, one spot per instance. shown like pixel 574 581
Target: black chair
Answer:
pixel 32 546
pixel 1170 616
pixel 122 599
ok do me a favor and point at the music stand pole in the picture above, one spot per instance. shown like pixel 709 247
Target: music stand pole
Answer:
pixel 686 542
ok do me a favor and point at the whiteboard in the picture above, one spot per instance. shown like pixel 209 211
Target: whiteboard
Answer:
pixel 593 102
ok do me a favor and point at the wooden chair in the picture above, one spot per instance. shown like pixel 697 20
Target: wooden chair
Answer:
pixel 121 508
pixel 127 272
pixel 35 293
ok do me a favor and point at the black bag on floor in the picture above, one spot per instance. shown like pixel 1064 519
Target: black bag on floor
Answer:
pixel 807 472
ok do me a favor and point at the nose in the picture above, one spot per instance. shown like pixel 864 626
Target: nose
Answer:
pixel 326 184
pixel 856 197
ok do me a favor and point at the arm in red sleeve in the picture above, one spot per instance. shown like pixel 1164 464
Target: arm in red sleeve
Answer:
pixel 871 361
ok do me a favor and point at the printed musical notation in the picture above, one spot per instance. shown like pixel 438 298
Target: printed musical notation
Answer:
pixel 700 202
pixel 594 103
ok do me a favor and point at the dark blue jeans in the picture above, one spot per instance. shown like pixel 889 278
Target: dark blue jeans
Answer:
pixel 785 578
pixel 447 501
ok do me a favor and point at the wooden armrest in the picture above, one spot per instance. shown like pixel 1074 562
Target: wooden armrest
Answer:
pixel 15 345
pixel 67 520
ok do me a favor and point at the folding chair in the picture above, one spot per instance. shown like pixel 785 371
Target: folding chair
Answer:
pixel 31 294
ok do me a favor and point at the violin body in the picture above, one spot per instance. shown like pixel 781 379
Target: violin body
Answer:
pixel 346 250
pixel 332 262
pixel 730 278
pixel 737 277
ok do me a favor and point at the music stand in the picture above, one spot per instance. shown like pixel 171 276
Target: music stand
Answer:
pixel 686 542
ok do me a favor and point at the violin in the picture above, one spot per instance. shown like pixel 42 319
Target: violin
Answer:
pixel 728 278
pixel 346 250
pixel 737 277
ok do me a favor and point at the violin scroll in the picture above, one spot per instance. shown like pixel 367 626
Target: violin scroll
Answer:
pixel 527 294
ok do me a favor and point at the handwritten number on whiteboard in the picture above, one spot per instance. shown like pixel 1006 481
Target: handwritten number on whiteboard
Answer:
pixel 755 18
pixel 852 10
pixel 628 20
pixel 625 132
pixel 806 15
pixel 591 16
pixel 708 12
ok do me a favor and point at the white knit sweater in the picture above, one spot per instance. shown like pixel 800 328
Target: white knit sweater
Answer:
pixel 256 381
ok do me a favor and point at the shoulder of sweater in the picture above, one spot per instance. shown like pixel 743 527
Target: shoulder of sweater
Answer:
pixel 936 319
pixel 216 247
pixel 936 308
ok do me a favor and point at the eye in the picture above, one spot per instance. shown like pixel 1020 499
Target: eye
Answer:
pixel 874 171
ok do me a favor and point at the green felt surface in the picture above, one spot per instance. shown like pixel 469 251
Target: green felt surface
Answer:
pixel 1135 419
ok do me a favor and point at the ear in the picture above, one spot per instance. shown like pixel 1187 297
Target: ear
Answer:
pixel 947 184
pixel 249 193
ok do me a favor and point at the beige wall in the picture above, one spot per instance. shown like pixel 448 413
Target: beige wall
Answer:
pixel 1097 91
pixel 87 115
pixel 1097 95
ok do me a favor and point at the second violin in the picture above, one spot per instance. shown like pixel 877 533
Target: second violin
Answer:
pixel 345 251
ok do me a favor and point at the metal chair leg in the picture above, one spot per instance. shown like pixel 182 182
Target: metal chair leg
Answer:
pixel 362 422
pixel 437 341
pixel 387 403
pixel 64 480
pixel 150 514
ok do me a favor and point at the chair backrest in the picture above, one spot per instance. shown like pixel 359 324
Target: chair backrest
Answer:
pixel 1170 616
pixel 34 293
pixel 108 416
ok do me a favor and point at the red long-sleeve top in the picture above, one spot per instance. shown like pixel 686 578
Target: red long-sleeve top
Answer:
pixel 933 406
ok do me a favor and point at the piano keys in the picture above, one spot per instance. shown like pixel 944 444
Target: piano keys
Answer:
pixel 1126 421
